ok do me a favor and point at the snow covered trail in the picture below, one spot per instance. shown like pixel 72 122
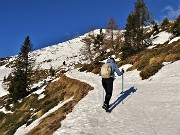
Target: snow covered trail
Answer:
pixel 153 109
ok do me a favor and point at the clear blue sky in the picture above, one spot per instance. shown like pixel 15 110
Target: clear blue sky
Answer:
pixel 48 22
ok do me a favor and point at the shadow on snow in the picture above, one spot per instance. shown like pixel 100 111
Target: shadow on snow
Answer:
pixel 120 99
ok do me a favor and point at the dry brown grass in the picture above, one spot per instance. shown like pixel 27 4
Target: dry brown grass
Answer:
pixel 150 61
pixel 39 75
pixel 71 88
pixel 156 60
pixel 55 92
pixel 172 57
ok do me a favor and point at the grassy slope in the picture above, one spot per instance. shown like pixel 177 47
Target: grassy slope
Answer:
pixel 148 62
pixel 31 108
pixel 151 60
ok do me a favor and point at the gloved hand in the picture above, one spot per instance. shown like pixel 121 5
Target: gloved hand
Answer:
pixel 122 71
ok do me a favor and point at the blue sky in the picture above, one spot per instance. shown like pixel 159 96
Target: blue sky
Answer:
pixel 48 22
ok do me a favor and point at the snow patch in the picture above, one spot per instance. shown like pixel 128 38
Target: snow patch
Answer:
pixel 5 111
pixel 25 129
pixel 174 39
pixel 160 38
pixel 4 72
pixel 41 96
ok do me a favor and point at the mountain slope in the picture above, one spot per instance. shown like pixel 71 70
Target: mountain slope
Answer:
pixel 147 107
pixel 153 108
pixel 54 56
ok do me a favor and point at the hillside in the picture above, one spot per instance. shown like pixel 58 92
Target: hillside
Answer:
pixel 70 102
pixel 149 107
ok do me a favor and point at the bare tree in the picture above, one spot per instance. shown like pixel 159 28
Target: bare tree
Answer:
pixel 110 30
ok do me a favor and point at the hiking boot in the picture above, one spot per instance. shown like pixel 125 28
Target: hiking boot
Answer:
pixel 105 106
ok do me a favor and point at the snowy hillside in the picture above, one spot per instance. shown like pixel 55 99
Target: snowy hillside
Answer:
pixel 160 38
pixel 150 106
pixel 54 56
pixel 153 108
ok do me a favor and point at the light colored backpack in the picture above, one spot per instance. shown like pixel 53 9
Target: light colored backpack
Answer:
pixel 106 70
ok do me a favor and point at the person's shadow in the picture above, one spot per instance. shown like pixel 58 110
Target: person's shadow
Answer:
pixel 120 99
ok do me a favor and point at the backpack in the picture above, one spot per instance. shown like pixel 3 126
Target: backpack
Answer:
pixel 106 70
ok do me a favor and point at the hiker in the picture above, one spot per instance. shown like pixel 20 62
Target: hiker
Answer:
pixel 64 63
pixel 107 80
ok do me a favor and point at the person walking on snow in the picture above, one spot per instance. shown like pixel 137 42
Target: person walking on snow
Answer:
pixel 107 81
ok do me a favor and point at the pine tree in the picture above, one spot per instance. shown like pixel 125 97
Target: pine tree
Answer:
pixel 52 71
pixel 134 35
pixel 110 28
pixel 127 48
pixel 99 40
pixel 178 19
pixel 21 78
pixel 176 27
pixel 165 21
pixel 142 19
pixel 9 78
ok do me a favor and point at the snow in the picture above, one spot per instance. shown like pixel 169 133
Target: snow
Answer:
pixel 174 39
pixel 41 87
pixel 4 110
pixel 153 108
pixel 160 38
pixel 41 96
pixel 166 63
pixel 2 91
pixel 54 56
pixel 4 72
pixel 25 129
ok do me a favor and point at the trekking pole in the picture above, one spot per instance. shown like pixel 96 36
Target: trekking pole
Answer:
pixel 122 87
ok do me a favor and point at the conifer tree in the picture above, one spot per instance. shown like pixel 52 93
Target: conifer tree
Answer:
pixel 178 19
pixel 52 71
pixel 176 27
pixel 142 19
pixel 155 26
pixel 134 34
pixel 99 40
pixel 127 48
pixel 165 21
pixel 21 78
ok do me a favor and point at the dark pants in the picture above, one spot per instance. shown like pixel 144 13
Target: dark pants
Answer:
pixel 107 84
